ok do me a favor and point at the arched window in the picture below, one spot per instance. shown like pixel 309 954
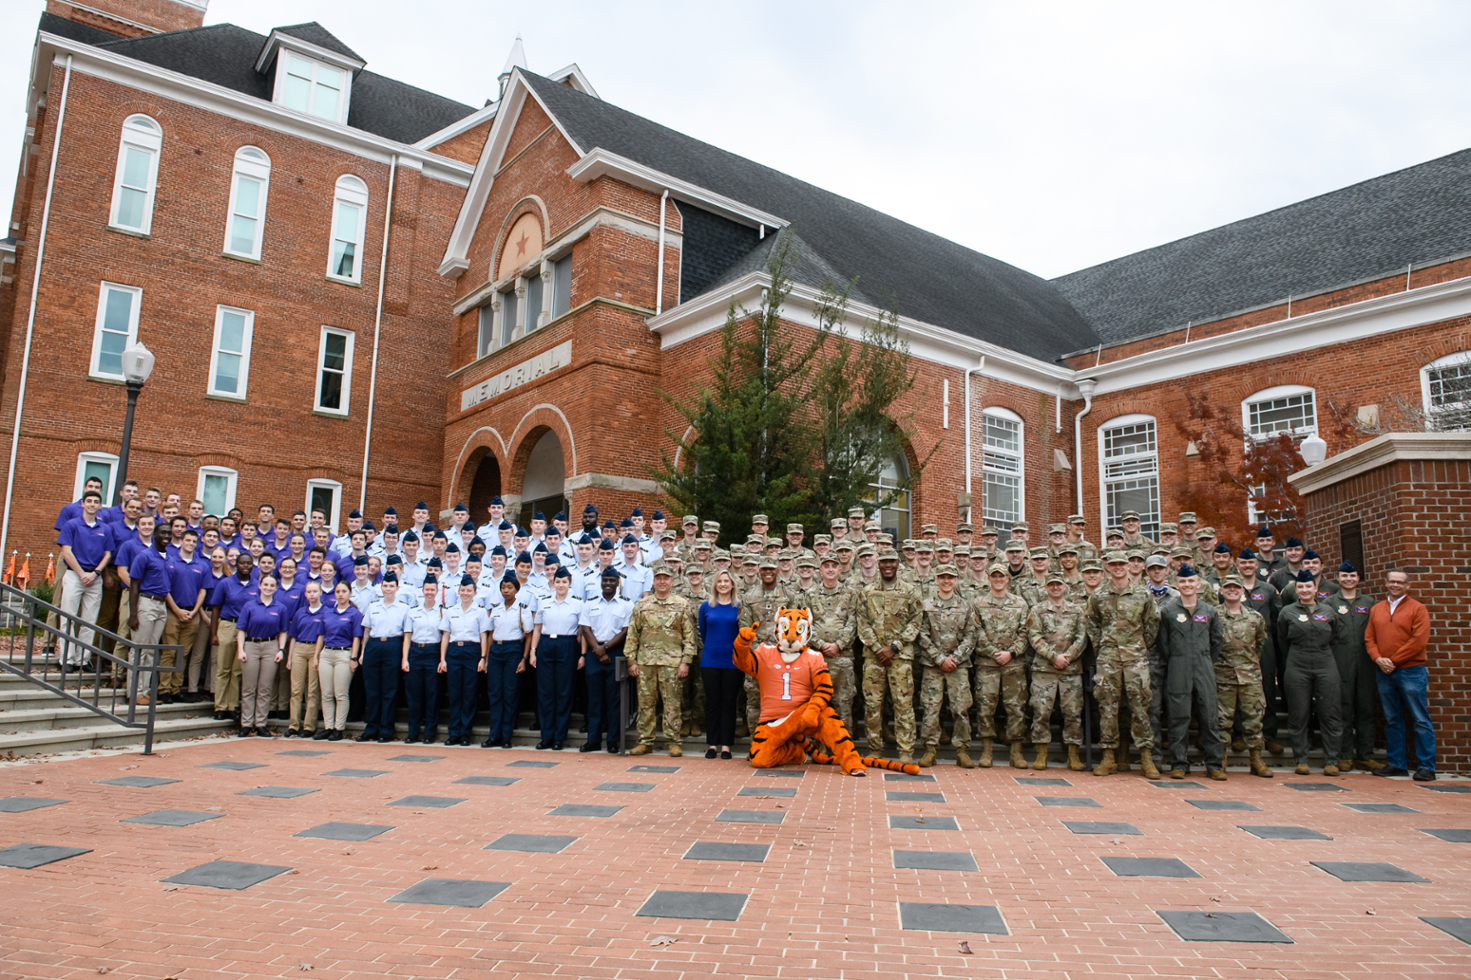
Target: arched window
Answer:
pixel 1283 410
pixel 893 515
pixel 349 211
pixel 1128 463
pixel 137 175
pixel 1003 500
pixel 247 217
pixel 1445 387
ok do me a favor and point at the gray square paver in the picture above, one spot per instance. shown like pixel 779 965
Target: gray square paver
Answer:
pixel 1066 801
pixel 1222 805
pixel 1459 928
pixel 23 804
pixel 432 802
pixel 532 764
pixel 717 851
pixel 35 855
pixel 1379 808
pixel 936 860
pixel 897 796
pixel 785 792
pixel 782 773
pixel 583 810
pixel 1366 871
pixel 1317 787
pixel 232 766
pixel 1087 827
pixel 1177 784
pixel 172 818
pixel 720 906
pixel 1223 927
pixel 749 816
pixel 1126 867
pixel 344 831
pixel 1040 781
pixel 305 753
pixel 416 758
pixel 488 780
pixel 530 843
pixel 952 918
pixel 279 792
pixel 1457 835
pixel 457 893
pixel 357 773
pixel 625 787
pixel 922 823
pixel 1285 833
pixel 904 777
pixel 140 782
pixel 654 769
pixel 233 875
pixel 1446 789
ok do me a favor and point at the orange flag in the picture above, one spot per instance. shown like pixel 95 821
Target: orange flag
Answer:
pixel 9 577
pixel 25 572
pixel 50 568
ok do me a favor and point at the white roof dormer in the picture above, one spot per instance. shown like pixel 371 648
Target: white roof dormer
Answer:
pixel 311 78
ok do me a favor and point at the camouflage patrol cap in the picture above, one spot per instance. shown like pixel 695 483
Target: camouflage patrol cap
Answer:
pixel 712 526
pixel 1067 549
pixel 964 528
pixel 888 554
pixel 668 536
pixel 886 539
pixel 704 544
pixel 1077 519
pixel 907 544
pixel 691 519
pixel 721 555
pixel 1182 553
pixel 795 529
pixel 1015 545
pixel 1114 532
pixel 829 557
pixel 807 561
pixel 1130 515
pixel 759 519
pixel 1135 553
pixel 997 569
pixel 857 512
pixel 1187 517
pixel 1020 526
pixel 786 554
pixel 1091 565
pixel 673 558
pixel 751 560
pixel 844 545
pixel 1169 529
pixel 864 549
pixel 947 569
pixel 775 542
pixel 694 570
pixel 928 529
pixel 924 547
pixel 872 526
pixel 1057 529
pixel 661 568
pixel 767 561
pixel 1056 577
pixel 1036 553
pixel 1233 579
pixel 755 541
pixel 822 539
pixel 838 524
pixel 1115 558
pixel 736 550
pixel 962 551
pixel 988 529
pixel 1156 561
pixel 1205 532
pixel 944 544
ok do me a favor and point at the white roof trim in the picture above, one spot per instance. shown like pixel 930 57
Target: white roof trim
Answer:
pixel 1381 451
pixel 235 105
pixel 599 162
pixel 294 43
pixel 459 128
pixel 579 80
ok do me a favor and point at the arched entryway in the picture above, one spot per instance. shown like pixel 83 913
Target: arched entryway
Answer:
pixel 546 475
pixel 485 483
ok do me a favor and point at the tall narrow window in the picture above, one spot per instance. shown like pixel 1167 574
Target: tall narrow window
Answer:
pixel 334 371
pixel 1445 385
pixel 117 328
pixel 100 466
pixel 1288 410
pixel 893 515
pixel 349 208
pixel 486 337
pixel 562 285
pixel 1129 457
pixel 217 489
pixel 249 183
pixel 325 496
pixel 508 316
pixel 1001 434
pixel 312 87
pixel 533 302
pixel 229 363
pixel 137 175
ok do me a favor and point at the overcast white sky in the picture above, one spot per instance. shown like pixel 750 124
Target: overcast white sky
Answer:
pixel 1049 135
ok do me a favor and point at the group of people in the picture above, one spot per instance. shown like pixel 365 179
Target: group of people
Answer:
pixel 994 639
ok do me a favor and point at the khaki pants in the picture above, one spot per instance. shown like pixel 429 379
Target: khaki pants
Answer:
pixel 335 672
pixel 124 610
pixel 84 601
pixel 152 615
pixel 183 634
pixel 304 685
pixel 199 658
pixel 227 668
pixel 257 675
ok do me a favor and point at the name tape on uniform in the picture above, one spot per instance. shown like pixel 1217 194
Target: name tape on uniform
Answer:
pixel 528 370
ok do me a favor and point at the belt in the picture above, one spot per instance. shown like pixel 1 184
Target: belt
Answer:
pixel 157 598
pixel 230 620
pixel 89 568
pixel 259 639
pixel 337 648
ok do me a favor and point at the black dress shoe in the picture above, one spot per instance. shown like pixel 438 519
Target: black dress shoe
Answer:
pixel 590 746
pixel 335 735
pixel 365 737
pixel 222 716
pixel 612 748
pixel 506 744
pixel 711 753
pixel 315 735
pixel 489 743
pixel 385 738
pixel 543 744
pixel 1424 775
pixel 1390 771
pixel 263 731
pixel 244 733
pixel 430 739
pixel 292 733
pixel 725 755
pixel 556 746
pixel 412 740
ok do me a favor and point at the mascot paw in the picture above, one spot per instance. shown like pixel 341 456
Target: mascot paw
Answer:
pixel 748 633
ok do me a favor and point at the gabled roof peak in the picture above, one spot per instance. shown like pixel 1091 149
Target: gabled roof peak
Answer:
pixel 312 39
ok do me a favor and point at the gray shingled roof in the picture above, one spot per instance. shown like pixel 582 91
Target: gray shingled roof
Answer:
pixel 225 55
pixel 314 33
pixel 1368 230
pixel 931 279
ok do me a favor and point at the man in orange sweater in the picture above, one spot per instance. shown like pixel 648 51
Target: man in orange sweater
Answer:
pixel 1398 630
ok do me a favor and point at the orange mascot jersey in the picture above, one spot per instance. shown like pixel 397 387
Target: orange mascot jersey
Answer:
pixel 785 686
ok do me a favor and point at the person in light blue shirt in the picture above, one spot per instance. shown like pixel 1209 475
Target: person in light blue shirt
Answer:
pixel 383 631
pixel 603 626
pixel 511 625
pixel 423 637
pixel 556 655
pixel 462 651
pixel 638 581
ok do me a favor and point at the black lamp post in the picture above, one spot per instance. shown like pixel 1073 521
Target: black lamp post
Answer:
pixel 137 366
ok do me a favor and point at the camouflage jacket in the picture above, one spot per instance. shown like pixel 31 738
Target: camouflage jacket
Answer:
pixel 760 607
pixel 1245 637
pixel 1122 624
pixel 944 630
pixel 889 612
pixel 997 625
pixel 1051 631
pixel 1030 589
pixel 833 617
pixel 660 632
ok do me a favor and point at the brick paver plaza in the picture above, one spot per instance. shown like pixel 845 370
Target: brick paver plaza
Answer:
pixel 352 861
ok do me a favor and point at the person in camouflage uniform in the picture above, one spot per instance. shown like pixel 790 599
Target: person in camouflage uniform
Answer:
pixel 1032 584
pixel 1122 624
pixel 1076 525
pixel 1056 635
pixel 998 639
pixel 888 618
pixel 660 648
pixel 759 605
pixel 834 628
pixel 1239 671
pixel 691 588
pixel 1134 538
pixel 944 652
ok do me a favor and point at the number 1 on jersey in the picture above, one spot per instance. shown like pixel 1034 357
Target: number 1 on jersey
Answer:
pixel 786 686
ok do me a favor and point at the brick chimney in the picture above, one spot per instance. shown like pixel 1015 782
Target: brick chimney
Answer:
pixel 132 18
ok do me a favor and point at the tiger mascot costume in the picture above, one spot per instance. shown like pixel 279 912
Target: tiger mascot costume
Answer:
pixel 797 719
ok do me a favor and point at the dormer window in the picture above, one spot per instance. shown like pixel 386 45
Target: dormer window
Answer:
pixel 312 87
pixel 313 71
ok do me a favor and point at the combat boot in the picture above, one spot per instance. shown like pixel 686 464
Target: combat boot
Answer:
pixel 906 758
pixel 1107 767
pixel 1368 765
pixel 962 759
pixel 1344 765
pixel 1018 761
pixel 1274 747
pixel 697 729
pixel 985 761
pixel 1238 745
pixel 1258 767
pixel 1219 775
pixel 1146 764
pixel 639 749
pixel 928 759
pixel 675 751
pixel 1330 770
pixel 684 728
pixel 1041 761
pixel 1073 762
pixel 1302 769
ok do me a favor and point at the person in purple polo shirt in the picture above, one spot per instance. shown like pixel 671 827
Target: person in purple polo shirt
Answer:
pixel 187 572
pixel 125 548
pixel 86 548
pixel 229 596
pixel 343 625
pixel 262 624
pixel 307 630
pixel 148 593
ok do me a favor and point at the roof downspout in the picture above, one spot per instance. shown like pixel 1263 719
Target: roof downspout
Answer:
pixel 1086 387
pixel 969 371
pixel 659 290
pixel 377 329
pixel 25 363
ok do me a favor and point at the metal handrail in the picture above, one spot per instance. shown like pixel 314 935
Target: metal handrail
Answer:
pixel 32 614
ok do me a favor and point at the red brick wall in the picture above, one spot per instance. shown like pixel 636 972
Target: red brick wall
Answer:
pixel 1414 518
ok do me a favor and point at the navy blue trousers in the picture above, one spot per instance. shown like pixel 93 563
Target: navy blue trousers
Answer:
pixel 422 689
pixel 462 663
pixel 556 668
pixel 381 664
pixel 602 697
pixel 502 686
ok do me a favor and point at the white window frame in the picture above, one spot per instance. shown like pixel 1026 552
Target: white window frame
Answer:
pixel 557 290
pixel 283 70
pixel 1450 360
pixel 1104 482
pixel 214 354
pixel 110 459
pixel 232 479
pixel 336 489
pixel 1020 473
pixel 137 135
pixel 485 335
pixel 1299 433
pixel 136 292
pixel 902 504
pixel 346 371
pixel 248 166
pixel 353 192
